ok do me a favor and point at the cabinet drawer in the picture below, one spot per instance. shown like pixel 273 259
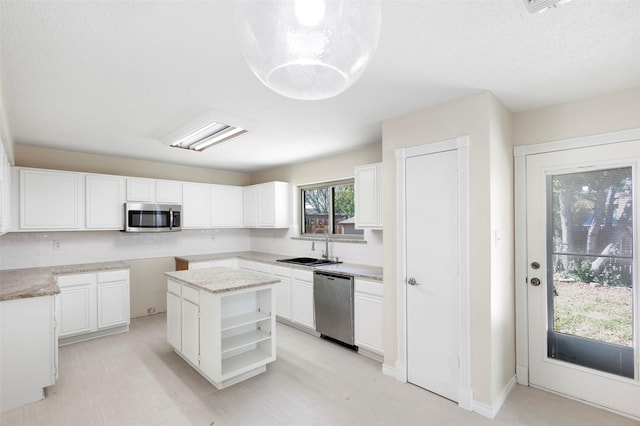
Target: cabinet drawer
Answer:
pixel 263 267
pixel 76 279
pixel 174 287
pixel 190 294
pixel 108 276
pixel 281 271
pixel 370 287
pixel 302 275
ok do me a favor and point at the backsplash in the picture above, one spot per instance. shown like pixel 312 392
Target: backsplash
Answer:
pixel 35 249
pixel 279 241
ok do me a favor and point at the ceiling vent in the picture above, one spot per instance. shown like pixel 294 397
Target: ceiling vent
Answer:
pixel 202 133
pixel 535 6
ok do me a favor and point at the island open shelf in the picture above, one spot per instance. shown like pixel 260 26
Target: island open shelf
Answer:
pixel 227 333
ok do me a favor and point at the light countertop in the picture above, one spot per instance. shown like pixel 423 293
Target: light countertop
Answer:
pixel 218 280
pixel 356 270
pixel 34 282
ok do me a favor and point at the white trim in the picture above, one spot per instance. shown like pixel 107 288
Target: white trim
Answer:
pixel 491 410
pixel 520 228
pixel 388 370
pixel 461 145
pixel 582 142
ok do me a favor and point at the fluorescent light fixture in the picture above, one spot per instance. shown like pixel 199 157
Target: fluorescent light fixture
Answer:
pixel 202 133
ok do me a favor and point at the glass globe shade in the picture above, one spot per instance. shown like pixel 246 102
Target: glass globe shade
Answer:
pixel 308 49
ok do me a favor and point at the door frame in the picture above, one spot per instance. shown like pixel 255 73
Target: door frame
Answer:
pixel 520 153
pixel 461 144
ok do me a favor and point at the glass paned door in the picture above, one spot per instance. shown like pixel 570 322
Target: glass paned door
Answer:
pixel 590 263
pixel 582 264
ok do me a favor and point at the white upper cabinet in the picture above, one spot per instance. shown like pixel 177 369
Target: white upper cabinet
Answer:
pixel 196 205
pixel 226 206
pixel 50 199
pixel 104 202
pixel 154 191
pixel 141 190
pixel 168 192
pixel 368 196
pixel 250 206
pixel 266 205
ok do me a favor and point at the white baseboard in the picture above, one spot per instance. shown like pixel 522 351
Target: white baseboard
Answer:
pixel 465 398
pixel 388 370
pixel 492 410
pixel 522 375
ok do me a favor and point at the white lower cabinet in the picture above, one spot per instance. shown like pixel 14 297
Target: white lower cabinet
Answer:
pixel 78 304
pixel 29 350
pixel 93 304
pixel 368 316
pixel 302 298
pixel 113 299
pixel 226 336
pixel 283 291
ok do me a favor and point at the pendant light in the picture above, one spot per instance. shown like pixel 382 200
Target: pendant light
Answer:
pixel 308 49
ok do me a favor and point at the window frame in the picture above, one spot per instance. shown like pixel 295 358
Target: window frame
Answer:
pixel 330 185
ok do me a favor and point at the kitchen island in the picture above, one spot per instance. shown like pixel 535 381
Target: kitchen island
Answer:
pixel 222 322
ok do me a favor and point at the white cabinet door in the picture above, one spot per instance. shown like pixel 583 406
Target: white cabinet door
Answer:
pixel 368 315
pixel 104 202
pixel 141 190
pixel 113 299
pixel 250 206
pixel 226 206
pixel 49 199
pixel 169 192
pixel 283 298
pixel 266 204
pixel 174 320
pixel 77 304
pixel 302 303
pixel 190 331
pixel 368 196
pixel 196 205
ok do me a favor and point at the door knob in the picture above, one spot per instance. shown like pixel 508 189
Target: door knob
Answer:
pixel 412 281
pixel 535 282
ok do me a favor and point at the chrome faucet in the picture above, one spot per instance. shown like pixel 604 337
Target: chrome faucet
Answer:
pixel 325 253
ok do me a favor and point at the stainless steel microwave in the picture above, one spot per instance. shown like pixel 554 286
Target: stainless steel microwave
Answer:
pixel 139 217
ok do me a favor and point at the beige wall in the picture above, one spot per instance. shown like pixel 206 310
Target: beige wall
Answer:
pixel 602 114
pixel 468 116
pixel 148 285
pixel 31 156
pixel 323 169
pixel 503 355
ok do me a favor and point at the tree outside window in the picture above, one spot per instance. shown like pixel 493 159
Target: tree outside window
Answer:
pixel 329 208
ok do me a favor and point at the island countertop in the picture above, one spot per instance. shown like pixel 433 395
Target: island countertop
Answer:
pixel 219 279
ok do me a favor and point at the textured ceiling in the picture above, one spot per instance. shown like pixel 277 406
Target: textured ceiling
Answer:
pixel 113 77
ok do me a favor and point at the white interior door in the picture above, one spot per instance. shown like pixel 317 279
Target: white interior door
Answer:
pixel 431 194
pixel 582 261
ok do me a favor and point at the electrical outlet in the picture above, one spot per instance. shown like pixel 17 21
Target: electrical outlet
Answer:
pixel 57 245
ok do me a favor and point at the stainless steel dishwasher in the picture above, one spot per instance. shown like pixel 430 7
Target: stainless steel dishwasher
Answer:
pixel 333 300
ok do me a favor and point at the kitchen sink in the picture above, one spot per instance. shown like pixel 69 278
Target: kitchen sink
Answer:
pixel 308 261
